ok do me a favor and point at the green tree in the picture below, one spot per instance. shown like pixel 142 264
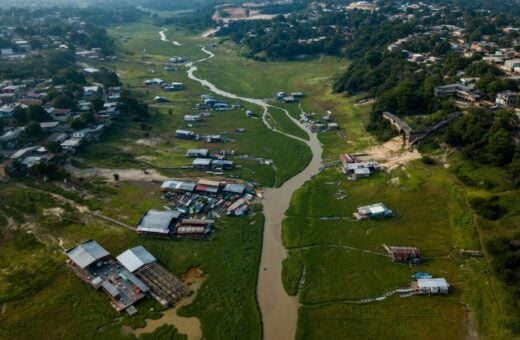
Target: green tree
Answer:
pixel 38 114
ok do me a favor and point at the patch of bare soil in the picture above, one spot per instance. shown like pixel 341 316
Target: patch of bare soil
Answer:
pixel 148 141
pixel 392 154
pixel 193 278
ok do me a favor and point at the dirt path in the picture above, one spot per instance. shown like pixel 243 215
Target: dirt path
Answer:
pixel 279 310
pixel 124 174
pixel 163 38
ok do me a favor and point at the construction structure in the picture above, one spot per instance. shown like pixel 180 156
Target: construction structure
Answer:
pixel 158 223
pixel 194 228
pixel 378 210
pixel 94 265
pixel 399 254
pixel 165 287
pixel 430 286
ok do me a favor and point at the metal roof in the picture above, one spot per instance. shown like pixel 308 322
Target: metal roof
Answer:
pixel 87 253
pixel 202 161
pixel 134 258
pixel 234 188
pixel 432 283
pixel 177 185
pixel 158 221
pixel 132 278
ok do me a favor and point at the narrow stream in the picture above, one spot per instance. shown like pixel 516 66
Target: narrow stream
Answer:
pixel 279 310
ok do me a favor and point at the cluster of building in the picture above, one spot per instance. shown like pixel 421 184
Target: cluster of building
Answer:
pixel 18 44
pixel 126 279
pixel 210 103
pixel 194 206
pixel 317 125
pixel 165 85
pixel 289 98
pixel 204 160
pixel 355 168
pixel 59 129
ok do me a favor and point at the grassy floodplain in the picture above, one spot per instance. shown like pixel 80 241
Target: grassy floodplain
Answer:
pixel 35 283
pixel 430 202
pixel 155 146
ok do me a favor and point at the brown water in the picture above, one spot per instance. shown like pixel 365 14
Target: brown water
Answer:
pixel 189 326
pixel 279 310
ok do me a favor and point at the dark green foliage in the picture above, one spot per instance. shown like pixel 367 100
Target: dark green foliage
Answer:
pixel 381 128
pixel 288 38
pixel 489 208
pixel 164 332
pixel 197 20
pixel 130 106
pixel 485 136
pixel 107 78
pixel 69 75
pixel 428 160
pixel 506 260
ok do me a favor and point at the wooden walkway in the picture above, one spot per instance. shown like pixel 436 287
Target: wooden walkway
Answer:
pixel 112 220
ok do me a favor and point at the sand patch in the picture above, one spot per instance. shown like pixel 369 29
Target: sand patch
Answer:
pixel 58 211
pixel 148 141
pixel 392 154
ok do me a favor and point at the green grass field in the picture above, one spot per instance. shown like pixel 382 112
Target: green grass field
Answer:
pixel 35 283
pixel 41 298
pixel 432 214
pixel 129 145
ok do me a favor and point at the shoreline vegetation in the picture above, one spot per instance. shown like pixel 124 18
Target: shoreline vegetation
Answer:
pixel 301 267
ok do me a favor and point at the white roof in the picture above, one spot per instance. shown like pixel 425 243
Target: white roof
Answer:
pixel 432 283
pixel 87 253
pixel 377 209
pixel 71 142
pixel 134 258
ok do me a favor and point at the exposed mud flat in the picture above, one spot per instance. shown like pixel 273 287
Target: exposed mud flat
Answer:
pixel 193 278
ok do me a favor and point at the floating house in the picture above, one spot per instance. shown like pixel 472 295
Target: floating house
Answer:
pixel 378 210
pixel 197 153
pixel 94 265
pixel 178 186
pixel 208 186
pixel 186 134
pixel 201 163
pixel 158 223
pixel 427 286
pixel 165 287
pixel 404 254
pixel 194 228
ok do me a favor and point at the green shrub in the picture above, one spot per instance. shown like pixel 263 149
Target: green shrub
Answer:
pixel 488 208
pixel 428 160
